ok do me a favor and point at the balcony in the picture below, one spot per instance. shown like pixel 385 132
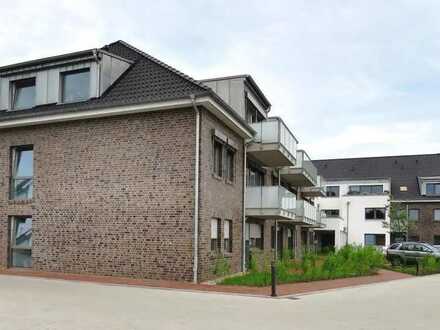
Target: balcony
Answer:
pixel 274 145
pixel 315 191
pixel 303 174
pixel 307 214
pixel 270 202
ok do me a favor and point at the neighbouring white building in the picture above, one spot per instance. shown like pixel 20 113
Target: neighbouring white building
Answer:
pixel 354 212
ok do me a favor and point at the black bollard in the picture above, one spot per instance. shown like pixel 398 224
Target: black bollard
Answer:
pixel 274 279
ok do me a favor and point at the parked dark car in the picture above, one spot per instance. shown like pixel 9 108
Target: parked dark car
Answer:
pixel 410 252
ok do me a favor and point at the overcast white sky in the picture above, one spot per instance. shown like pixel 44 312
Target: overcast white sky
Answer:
pixel 351 78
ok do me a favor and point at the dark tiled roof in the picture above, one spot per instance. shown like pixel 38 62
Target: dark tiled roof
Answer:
pixel 148 80
pixel 403 171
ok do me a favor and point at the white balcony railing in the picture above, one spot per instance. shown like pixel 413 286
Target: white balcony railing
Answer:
pixel 270 197
pixel 273 130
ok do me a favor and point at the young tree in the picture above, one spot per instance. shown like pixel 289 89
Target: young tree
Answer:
pixel 399 223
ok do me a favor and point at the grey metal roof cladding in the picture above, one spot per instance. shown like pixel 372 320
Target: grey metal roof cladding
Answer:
pixel 147 80
pixel 402 170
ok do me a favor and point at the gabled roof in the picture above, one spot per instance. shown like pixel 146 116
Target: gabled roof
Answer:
pixel 148 80
pixel 402 170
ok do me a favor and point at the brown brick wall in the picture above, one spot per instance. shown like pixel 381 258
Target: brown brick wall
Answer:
pixel 218 198
pixel 426 227
pixel 113 196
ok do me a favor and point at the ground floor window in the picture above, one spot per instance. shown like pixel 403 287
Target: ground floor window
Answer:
pixel 255 235
pixel 227 236
pixel 375 239
pixel 290 241
pixel 21 242
pixel 436 239
pixel 215 235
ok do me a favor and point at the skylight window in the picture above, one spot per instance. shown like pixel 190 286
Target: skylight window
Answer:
pixel 23 94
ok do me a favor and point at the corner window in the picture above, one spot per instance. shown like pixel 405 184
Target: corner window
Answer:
pixel 215 235
pixel 21 242
pixel 375 239
pixel 331 213
pixel 230 157
pixel 227 236
pixel 413 214
pixel 433 189
pixel 375 213
pixel 332 191
pixel 23 94
pixel 22 172
pixel 218 158
pixel 75 86
pixel 437 215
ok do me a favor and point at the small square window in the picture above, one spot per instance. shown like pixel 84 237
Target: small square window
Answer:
pixel 23 94
pixel 413 214
pixel 332 191
pixel 437 215
pixel 75 86
pixel 375 213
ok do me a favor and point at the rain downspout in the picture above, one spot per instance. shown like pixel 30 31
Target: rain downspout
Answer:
pixel 196 193
pixel 243 265
pixel 348 221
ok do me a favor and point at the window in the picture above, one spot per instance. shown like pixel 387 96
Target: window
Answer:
pixel 227 236
pixel 22 172
pixel 413 214
pixel 218 158
pixel 375 213
pixel 437 215
pixel 331 213
pixel 230 156
pixel 365 190
pixel 255 177
pixel 436 239
pixel 75 86
pixel 433 189
pixel 23 94
pixel 21 242
pixel 332 191
pixel 255 235
pixel 375 239
pixel 215 235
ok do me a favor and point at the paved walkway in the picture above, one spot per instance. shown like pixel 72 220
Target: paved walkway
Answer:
pixel 283 290
pixel 37 304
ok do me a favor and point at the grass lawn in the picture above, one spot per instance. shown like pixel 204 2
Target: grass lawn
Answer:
pixel 350 261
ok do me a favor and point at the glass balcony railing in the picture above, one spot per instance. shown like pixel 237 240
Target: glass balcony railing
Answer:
pixel 308 212
pixel 277 137
pixel 274 198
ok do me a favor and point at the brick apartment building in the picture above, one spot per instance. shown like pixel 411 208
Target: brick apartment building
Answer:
pixel 413 181
pixel 114 163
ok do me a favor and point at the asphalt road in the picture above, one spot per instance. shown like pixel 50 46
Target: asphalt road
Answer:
pixel 31 303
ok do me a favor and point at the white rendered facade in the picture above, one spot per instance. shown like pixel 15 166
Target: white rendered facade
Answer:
pixel 348 214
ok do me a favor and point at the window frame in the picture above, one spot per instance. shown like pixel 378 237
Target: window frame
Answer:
pixel 229 164
pixel 62 78
pixel 217 167
pixel 13 240
pixel 13 91
pixel 375 209
pixel 14 169
pixel 383 236
pixel 215 242
pixel 409 214
pixel 227 242
pixel 435 184
pixel 364 189
pixel 337 194
pixel 328 213
pixel 434 213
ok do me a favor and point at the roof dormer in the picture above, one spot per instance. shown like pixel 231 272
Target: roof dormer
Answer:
pixel 68 78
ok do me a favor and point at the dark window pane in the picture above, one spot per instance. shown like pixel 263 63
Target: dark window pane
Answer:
pixel 218 158
pixel 331 213
pixel 369 213
pixel 375 239
pixel 354 190
pixel 24 94
pixel 76 86
pixel 380 214
pixel 332 191
pixel 230 164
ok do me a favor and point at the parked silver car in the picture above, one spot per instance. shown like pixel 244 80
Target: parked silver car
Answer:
pixel 410 252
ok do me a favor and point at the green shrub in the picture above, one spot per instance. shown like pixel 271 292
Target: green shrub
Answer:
pixel 429 265
pixel 222 266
